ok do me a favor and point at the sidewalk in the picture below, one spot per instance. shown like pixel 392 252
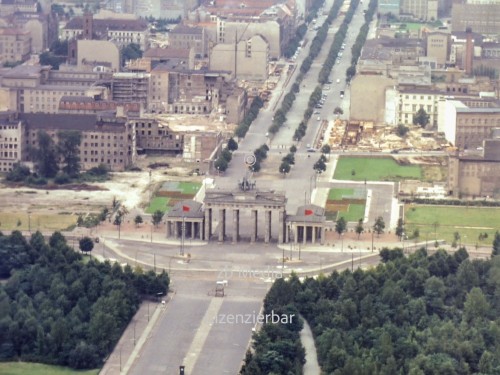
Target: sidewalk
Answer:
pixel 133 338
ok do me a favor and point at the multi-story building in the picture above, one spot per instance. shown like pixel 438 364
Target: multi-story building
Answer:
pixel 476 174
pixel 31 88
pixel 248 59
pixel 399 51
pixel 389 7
pixel 11 141
pixel 151 137
pixel 130 87
pixel 482 16
pixel 426 10
pixel 15 45
pixel 10 7
pixel 411 100
pixel 182 91
pixel 467 123
pixel 106 138
pixel 122 32
pixel 438 47
pixel 187 37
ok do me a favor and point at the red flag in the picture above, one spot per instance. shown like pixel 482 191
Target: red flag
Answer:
pixel 185 209
pixel 308 212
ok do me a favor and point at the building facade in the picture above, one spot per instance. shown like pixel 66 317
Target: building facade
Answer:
pixel 11 141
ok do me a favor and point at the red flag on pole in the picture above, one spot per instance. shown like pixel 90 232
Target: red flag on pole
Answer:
pixel 308 212
pixel 185 209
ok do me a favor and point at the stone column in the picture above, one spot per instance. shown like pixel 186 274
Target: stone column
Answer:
pixel 287 233
pixel 296 233
pixel 193 230
pixel 200 230
pixel 208 223
pixel 168 228
pixel 313 228
pixel 176 228
pixel 222 224
pixel 253 220
pixel 236 225
pixel 323 234
pixel 267 223
pixel 304 234
pixel 281 227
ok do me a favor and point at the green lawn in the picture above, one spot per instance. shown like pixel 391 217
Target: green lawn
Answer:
pixel 374 169
pixel 24 368
pixel 158 203
pixel 189 187
pixel 468 222
pixel 45 222
pixel 338 193
pixel 356 212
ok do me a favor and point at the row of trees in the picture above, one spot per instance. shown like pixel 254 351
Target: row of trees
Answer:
pixel 280 116
pixel 251 115
pixel 415 315
pixel 336 46
pixel 260 155
pixel 57 309
pixel 294 43
pixel 315 97
pixel 226 155
pixel 360 40
pixel 287 161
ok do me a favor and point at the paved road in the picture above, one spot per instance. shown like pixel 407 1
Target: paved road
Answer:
pixel 311 366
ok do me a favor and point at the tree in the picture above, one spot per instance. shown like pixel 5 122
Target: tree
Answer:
pixel 340 226
pixel 86 244
pixel 131 52
pixel 293 149
pixel 157 217
pixel 326 149
pixel 289 159
pixel 400 229
pixel 18 173
pixel 138 220
pixel 359 227
pixel 232 145
pixel 319 166
pixel 402 130
pixel 421 118
pixel 379 225
pixel 338 111
pixel 221 164
pixel 45 156
pixel 496 244
pixel 68 147
pixel 284 168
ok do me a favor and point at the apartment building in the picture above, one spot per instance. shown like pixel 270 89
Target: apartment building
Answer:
pixel 11 141
pixel 411 100
pixel 122 32
pixel 32 88
pixel 186 37
pixel 15 45
pixel 106 139
pixel 467 123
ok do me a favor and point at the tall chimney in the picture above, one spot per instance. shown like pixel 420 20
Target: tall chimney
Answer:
pixel 469 51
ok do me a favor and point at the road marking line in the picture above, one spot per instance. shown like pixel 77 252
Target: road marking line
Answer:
pixel 201 334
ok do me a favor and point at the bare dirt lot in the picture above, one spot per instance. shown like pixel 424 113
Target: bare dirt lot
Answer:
pixel 132 189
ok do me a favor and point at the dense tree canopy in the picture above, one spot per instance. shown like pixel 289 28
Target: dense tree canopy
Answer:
pixel 418 315
pixel 56 309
